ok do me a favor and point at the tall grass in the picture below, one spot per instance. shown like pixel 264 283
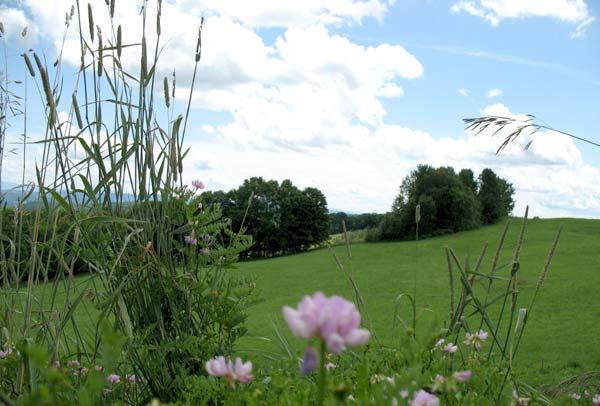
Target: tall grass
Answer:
pixel 110 201
pixel 485 305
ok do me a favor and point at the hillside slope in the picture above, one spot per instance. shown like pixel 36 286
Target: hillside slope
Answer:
pixel 563 327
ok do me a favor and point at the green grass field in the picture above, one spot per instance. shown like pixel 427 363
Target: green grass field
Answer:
pixel 562 331
pixel 561 336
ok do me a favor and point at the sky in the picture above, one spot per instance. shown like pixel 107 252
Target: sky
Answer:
pixel 349 96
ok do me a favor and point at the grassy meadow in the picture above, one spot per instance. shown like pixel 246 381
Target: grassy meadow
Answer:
pixel 163 296
pixel 562 328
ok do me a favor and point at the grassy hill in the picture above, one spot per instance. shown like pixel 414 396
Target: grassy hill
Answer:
pixel 561 336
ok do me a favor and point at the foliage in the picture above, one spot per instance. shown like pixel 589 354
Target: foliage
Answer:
pixel 353 221
pixel 281 218
pixel 447 203
pixel 468 362
pixel 109 199
pixel 161 258
pixel 495 196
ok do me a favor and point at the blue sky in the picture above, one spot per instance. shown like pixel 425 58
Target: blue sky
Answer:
pixel 349 96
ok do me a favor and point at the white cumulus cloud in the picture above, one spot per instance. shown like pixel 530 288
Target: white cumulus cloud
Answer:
pixel 494 11
pixel 494 93
pixel 581 29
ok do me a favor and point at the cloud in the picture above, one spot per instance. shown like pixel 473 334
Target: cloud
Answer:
pixel 494 11
pixel 464 92
pixel 308 105
pixel 494 93
pixel 311 89
pixel 581 30
pixel 290 13
pixel 15 24
pixel 363 173
pixel 253 15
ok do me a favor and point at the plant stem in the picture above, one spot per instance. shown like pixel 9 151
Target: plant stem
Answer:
pixel 322 376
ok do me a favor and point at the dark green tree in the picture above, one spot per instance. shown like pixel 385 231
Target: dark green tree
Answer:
pixel 467 177
pixel 280 217
pixel 447 205
pixel 495 196
pixel 335 222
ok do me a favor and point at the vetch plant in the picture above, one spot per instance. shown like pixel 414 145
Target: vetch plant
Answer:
pixel 333 321
pixel 230 372
pixel 476 340
pixel 423 398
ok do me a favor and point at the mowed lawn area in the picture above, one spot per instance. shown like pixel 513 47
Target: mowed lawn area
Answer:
pixel 562 333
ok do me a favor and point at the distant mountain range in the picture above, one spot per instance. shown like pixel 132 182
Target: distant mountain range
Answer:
pixel 334 210
pixel 11 193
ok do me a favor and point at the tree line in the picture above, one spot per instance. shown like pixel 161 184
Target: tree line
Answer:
pixel 353 221
pixel 281 218
pixel 440 201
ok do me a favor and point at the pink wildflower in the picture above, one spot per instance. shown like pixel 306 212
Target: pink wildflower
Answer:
pixel 4 354
pixel 73 363
pixel 463 376
pixel 333 320
pixel 330 365
pixel 226 370
pixel 596 399
pixel 476 339
pixel 191 239
pixel 575 396
pixel 423 398
pixel 403 394
pixel 114 378
pixel 204 251
pixel 131 378
pixel 449 348
pixel 198 184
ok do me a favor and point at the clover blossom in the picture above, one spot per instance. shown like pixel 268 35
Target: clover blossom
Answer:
pixel 241 372
pixel 449 348
pixel 423 398
pixel 198 184
pixel 463 376
pixel 333 320
pixel 114 378
pixel 73 363
pixel 596 399
pixel 476 339
pixel 191 239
